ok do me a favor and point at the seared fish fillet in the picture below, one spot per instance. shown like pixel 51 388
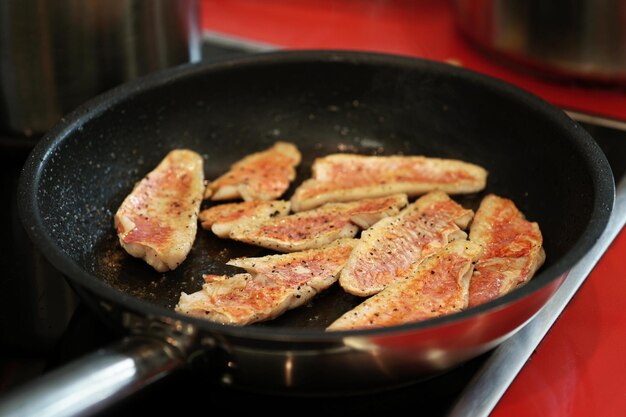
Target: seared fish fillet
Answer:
pixel 349 177
pixel 158 220
pixel 317 228
pixel 387 250
pixel 435 287
pixel 513 249
pixel 264 175
pixel 221 219
pixel 272 285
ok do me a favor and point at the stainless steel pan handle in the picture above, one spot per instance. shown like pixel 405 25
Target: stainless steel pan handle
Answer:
pixel 95 381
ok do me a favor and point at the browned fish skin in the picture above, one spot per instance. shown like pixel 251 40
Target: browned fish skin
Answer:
pixel 513 249
pixel 349 177
pixel 221 219
pixel 436 287
pixel 319 227
pixel 157 221
pixel 296 269
pixel 264 175
pixel 272 285
pixel 390 248
pixel 237 300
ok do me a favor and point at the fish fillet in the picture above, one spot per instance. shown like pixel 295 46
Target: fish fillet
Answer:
pixel 349 177
pixel 272 285
pixel 513 249
pixel 221 219
pixel 318 227
pixel 436 287
pixel 157 221
pixel 387 250
pixel 264 175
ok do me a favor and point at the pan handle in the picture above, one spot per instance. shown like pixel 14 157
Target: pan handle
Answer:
pixel 95 381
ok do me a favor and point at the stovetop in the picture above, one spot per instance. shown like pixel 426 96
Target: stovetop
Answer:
pixel 43 324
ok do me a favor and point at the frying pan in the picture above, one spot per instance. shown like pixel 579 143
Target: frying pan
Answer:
pixel 324 102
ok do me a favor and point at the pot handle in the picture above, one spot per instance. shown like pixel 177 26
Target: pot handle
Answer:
pixel 95 381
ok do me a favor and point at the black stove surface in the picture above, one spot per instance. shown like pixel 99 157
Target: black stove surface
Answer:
pixel 43 325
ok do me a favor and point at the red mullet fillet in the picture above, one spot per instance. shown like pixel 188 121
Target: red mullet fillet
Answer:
pixel 394 245
pixel 264 175
pixel 158 220
pixel 349 177
pixel 513 249
pixel 436 287
pixel 272 285
pixel 318 227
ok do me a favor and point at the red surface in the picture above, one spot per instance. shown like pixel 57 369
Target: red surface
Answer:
pixel 422 28
pixel 580 367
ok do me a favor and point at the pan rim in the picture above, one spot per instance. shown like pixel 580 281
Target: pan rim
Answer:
pixel 602 179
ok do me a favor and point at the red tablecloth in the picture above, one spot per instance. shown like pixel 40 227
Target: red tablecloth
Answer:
pixel 422 28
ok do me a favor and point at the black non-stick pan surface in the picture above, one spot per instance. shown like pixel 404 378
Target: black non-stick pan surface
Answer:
pixel 324 102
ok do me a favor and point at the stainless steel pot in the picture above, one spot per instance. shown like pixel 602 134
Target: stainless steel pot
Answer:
pixel 583 39
pixel 54 55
